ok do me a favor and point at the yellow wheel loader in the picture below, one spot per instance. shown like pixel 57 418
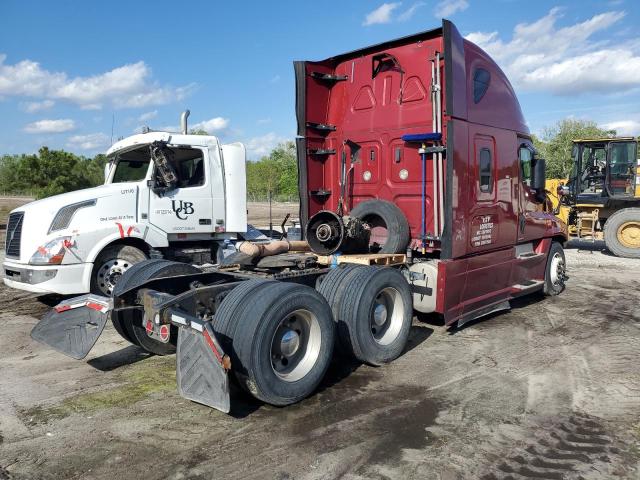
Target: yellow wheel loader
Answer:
pixel 601 198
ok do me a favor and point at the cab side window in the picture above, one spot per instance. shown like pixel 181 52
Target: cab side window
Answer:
pixel 188 164
pixel 191 172
pixel 486 171
pixel 526 171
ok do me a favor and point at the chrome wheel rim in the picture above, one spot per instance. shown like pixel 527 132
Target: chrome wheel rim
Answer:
pixel 109 274
pixel 557 269
pixel 295 346
pixel 387 315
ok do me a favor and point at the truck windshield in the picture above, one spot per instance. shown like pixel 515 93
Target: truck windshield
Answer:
pixel 130 170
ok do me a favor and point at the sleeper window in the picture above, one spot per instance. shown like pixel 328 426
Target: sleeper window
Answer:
pixel 481 80
pixel 486 171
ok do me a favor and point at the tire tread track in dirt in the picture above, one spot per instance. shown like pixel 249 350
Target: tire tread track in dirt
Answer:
pixel 567 450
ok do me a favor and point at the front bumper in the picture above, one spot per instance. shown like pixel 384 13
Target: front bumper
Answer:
pixel 60 279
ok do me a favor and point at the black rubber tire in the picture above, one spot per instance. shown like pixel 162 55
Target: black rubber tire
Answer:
pixel 355 308
pixel 255 326
pixel 131 320
pixel 332 288
pixel 231 311
pixel 550 289
pixel 131 254
pixel 381 213
pixel 122 321
pixel 611 226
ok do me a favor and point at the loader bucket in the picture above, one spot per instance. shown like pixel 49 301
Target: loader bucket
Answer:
pixel 201 375
pixel 73 326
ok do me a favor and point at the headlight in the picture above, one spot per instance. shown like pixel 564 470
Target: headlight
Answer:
pixel 52 253
pixel 65 214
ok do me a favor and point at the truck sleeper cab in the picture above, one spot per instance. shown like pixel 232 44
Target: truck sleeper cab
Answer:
pixel 85 240
pixel 433 140
pixel 449 193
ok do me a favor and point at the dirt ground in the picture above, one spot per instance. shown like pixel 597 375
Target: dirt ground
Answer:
pixel 258 213
pixel 550 389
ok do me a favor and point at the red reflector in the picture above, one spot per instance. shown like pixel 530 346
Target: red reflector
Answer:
pixel 164 333
pixel 149 327
pixel 212 345
pixel 95 306
pixel 62 308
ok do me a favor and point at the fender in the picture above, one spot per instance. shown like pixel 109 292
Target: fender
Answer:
pixel 149 234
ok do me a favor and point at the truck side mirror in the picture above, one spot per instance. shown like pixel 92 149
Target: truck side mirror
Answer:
pixel 539 177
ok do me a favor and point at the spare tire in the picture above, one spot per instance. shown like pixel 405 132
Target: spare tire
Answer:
pixel 389 226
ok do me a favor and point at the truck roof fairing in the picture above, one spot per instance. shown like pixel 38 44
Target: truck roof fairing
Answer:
pixel 135 141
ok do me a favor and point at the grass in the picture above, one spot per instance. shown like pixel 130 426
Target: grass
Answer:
pixel 152 376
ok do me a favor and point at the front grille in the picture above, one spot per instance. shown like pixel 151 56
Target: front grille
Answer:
pixel 14 233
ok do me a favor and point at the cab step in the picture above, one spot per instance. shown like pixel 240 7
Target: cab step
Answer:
pixel 528 286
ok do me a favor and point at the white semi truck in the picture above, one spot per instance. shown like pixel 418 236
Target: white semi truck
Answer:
pixel 175 196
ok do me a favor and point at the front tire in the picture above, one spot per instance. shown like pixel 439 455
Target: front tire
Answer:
pixel 111 264
pixel 555 272
pixel 622 233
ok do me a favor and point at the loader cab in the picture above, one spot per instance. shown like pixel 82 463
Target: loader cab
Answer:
pixel 603 169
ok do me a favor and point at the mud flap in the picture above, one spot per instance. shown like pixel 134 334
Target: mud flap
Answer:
pixel 201 375
pixel 73 326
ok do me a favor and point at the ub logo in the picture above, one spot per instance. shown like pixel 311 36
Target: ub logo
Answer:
pixel 182 209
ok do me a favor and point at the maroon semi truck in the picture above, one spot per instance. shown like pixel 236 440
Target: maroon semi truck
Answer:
pixel 413 153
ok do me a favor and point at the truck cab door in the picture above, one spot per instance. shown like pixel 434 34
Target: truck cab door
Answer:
pixel 187 208
pixel 531 219
pixel 621 169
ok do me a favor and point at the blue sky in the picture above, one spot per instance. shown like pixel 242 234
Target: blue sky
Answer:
pixel 67 68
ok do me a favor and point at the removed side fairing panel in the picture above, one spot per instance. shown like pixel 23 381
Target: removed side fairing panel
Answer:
pixel 72 327
pixel 200 376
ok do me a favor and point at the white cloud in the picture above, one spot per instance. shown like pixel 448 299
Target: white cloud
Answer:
pixel 624 128
pixel 565 61
pixel 446 8
pixel 148 116
pixel 212 125
pixel 92 141
pixel 409 12
pixel 275 79
pixel 50 126
pixel 382 14
pixel 260 146
pixel 33 107
pixel 128 86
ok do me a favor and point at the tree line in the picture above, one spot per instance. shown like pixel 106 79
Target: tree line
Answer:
pixel 50 172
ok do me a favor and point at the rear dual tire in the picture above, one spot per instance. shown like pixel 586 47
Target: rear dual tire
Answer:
pixel 281 345
pixel 373 310
pixel 129 323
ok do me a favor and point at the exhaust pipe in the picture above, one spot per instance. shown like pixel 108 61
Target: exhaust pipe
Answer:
pixel 183 121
